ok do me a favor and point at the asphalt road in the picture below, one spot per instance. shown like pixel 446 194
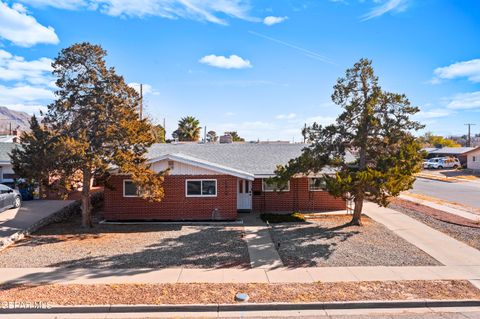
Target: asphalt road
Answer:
pixel 465 193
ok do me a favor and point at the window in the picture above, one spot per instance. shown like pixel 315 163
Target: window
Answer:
pixel 4 189
pixel 474 159
pixel 316 184
pixel 272 186
pixel 201 187
pixel 129 188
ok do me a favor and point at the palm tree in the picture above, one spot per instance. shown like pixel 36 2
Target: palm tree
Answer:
pixel 188 129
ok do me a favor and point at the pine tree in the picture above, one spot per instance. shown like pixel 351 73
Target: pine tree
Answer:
pixel 95 117
pixel 37 156
pixel 375 127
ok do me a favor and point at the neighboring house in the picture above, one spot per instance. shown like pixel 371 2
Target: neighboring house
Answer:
pixel 458 152
pixel 473 159
pixel 215 181
pixel 7 174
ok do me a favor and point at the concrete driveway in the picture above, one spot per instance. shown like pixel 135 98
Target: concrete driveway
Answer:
pixel 19 220
pixel 466 193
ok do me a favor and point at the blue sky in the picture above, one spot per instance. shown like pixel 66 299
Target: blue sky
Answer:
pixel 263 68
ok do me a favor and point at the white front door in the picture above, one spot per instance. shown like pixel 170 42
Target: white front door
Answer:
pixel 244 195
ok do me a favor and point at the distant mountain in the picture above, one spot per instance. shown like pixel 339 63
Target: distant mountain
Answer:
pixel 15 120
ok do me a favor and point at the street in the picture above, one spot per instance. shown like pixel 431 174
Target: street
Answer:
pixel 465 193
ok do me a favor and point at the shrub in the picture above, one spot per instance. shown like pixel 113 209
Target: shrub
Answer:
pixel 283 218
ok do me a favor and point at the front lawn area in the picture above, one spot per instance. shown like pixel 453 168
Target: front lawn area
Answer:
pixel 129 246
pixel 331 241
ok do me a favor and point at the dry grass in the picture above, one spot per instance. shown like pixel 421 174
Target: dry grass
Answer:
pixel 224 293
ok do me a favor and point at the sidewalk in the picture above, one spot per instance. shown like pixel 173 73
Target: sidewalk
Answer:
pixel 15 223
pixel 261 248
pixel 229 275
pixel 440 246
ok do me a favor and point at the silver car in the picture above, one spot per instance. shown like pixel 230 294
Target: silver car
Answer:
pixel 9 198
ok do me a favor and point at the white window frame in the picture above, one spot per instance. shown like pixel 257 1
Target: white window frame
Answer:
pixel 310 185
pixel 124 195
pixel 273 190
pixel 201 187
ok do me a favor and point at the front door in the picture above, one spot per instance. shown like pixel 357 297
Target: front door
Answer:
pixel 244 195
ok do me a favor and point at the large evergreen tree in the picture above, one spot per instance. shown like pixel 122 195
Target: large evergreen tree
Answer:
pixel 375 127
pixel 95 117
pixel 38 157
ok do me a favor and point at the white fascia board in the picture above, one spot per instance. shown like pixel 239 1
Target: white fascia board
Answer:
pixel 181 158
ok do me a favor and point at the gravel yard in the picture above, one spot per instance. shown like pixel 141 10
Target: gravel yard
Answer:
pixel 468 235
pixel 129 246
pixel 330 241
pixel 225 293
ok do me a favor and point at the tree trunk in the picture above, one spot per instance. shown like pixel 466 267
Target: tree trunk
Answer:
pixel 357 211
pixel 86 209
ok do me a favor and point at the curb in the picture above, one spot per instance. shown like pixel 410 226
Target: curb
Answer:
pixel 244 307
pixel 439 179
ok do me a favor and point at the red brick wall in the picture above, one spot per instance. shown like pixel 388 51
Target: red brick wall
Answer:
pixel 299 198
pixel 175 205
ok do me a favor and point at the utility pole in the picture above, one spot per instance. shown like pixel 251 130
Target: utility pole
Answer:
pixel 141 101
pixel 469 140
pixel 164 131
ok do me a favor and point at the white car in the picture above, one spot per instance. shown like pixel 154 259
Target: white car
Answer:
pixel 442 162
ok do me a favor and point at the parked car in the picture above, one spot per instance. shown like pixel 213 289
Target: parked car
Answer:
pixel 9 198
pixel 442 162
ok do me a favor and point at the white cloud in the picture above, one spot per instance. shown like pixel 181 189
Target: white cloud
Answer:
pixel 271 20
pixel 23 30
pixel 323 120
pixel 16 68
pixel 146 89
pixel 288 116
pixel 433 113
pixel 385 7
pixel 202 10
pixel 60 4
pixel 24 94
pixel 30 109
pixel 231 62
pixel 465 101
pixel 469 69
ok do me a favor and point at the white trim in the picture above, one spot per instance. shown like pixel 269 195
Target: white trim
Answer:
pixel 201 180
pixel 204 164
pixel 271 190
pixel 123 183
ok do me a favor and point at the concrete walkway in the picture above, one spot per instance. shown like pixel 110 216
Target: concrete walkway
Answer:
pixel 261 248
pixel 15 223
pixel 230 275
pixel 440 246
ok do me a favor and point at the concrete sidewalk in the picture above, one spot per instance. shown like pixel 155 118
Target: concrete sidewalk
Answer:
pixel 440 246
pixel 261 248
pixel 14 223
pixel 229 275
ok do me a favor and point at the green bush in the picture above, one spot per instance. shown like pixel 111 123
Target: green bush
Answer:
pixel 283 218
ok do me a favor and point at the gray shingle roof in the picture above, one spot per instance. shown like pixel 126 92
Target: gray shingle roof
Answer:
pixel 254 158
pixel 451 150
pixel 5 149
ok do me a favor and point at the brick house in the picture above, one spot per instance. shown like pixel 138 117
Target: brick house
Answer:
pixel 215 182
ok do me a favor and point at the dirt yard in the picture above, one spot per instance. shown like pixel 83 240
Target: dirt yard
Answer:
pixel 225 293
pixel 330 241
pixel 129 246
